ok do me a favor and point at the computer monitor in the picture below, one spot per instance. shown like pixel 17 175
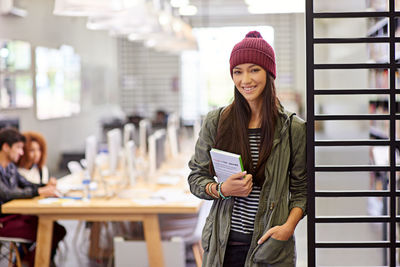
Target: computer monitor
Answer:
pixel 130 151
pixel 114 142
pixel 9 122
pixel 129 132
pixel 172 133
pixel 144 127
pixel 196 129
pixel 90 154
pixel 156 150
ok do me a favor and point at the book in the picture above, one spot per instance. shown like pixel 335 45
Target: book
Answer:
pixel 225 163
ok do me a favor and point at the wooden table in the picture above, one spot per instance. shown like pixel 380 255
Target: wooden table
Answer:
pixel 114 209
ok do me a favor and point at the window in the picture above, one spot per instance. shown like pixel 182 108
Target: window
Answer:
pixel 15 74
pixel 58 82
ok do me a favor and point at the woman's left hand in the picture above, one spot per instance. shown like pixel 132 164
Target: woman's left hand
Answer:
pixel 281 232
pixel 52 181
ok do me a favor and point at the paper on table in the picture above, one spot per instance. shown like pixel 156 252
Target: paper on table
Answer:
pixel 173 195
pixel 148 201
pixel 168 180
pixel 55 200
pixel 184 172
pixel 134 193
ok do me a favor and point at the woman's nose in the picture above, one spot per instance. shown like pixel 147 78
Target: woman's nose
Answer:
pixel 246 78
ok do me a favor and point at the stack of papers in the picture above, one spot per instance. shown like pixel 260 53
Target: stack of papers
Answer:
pixel 168 180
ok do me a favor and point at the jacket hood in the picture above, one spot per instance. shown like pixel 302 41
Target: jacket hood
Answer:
pixel 282 123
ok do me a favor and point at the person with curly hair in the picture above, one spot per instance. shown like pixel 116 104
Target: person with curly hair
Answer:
pixel 32 164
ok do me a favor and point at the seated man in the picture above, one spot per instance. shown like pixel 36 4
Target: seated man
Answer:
pixel 14 186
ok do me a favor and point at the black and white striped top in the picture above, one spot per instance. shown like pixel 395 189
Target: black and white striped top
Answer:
pixel 245 208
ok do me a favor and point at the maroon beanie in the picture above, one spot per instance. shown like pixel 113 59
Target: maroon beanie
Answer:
pixel 254 49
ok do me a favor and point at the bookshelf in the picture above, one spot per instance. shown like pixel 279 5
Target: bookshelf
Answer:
pixel 379 104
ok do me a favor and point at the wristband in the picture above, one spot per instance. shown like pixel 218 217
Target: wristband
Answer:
pixel 210 192
pixel 219 191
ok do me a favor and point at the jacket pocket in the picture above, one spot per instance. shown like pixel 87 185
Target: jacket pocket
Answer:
pixel 206 234
pixel 274 251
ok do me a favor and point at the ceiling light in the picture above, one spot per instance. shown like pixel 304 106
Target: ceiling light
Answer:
pixel 135 37
pixel 164 19
pixel 188 10
pixel 179 3
pixel 151 43
pixel 251 2
pixel 282 6
pixel 177 26
pixel 92 7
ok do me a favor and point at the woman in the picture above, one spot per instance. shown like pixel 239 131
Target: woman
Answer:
pixel 32 164
pixel 254 213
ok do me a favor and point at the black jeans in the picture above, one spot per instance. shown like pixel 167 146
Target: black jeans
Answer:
pixel 235 255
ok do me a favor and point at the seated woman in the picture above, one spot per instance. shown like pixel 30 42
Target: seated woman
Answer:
pixel 32 164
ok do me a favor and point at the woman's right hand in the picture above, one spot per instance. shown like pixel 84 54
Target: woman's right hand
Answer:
pixel 48 191
pixel 238 185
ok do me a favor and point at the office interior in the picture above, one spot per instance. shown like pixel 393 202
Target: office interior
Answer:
pixel 101 65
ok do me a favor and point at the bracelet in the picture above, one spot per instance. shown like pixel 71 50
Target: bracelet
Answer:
pixel 209 189
pixel 219 191
pixel 211 192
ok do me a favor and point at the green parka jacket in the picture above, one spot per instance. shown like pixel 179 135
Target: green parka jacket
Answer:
pixel 279 194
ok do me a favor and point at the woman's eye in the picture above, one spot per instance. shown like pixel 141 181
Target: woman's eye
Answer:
pixel 255 70
pixel 236 72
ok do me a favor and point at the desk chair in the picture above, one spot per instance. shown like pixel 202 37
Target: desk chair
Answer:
pixel 195 239
pixel 74 167
pixel 13 249
pixel 182 226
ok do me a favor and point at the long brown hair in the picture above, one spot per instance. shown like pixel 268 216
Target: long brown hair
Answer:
pixel 25 161
pixel 232 133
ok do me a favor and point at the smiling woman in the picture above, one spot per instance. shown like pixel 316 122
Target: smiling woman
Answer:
pixel 261 206
pixel 250 80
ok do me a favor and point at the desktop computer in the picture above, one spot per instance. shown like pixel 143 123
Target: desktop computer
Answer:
pixel 114 143
pixel 129 132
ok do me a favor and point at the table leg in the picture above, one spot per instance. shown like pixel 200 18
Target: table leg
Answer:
pixel 43 241
pixel 152 237
pixel 94 248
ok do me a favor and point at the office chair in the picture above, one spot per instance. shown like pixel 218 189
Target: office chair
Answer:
pixel 13 249
pixel 182 226
pixel 74 167
pixel 195 239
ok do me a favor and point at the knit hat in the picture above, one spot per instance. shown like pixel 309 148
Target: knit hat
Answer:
pixel 254 49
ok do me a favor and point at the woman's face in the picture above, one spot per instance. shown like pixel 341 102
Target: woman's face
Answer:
pixel 35 152
pixel 250 79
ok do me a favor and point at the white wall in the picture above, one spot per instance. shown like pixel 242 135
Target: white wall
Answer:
pixel 289 41
pixel 99 90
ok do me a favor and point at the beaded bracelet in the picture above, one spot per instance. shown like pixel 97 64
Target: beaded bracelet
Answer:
pixel 210 192
pixel 219 191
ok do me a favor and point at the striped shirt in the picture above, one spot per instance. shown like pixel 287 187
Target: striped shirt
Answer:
pixel 245 208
